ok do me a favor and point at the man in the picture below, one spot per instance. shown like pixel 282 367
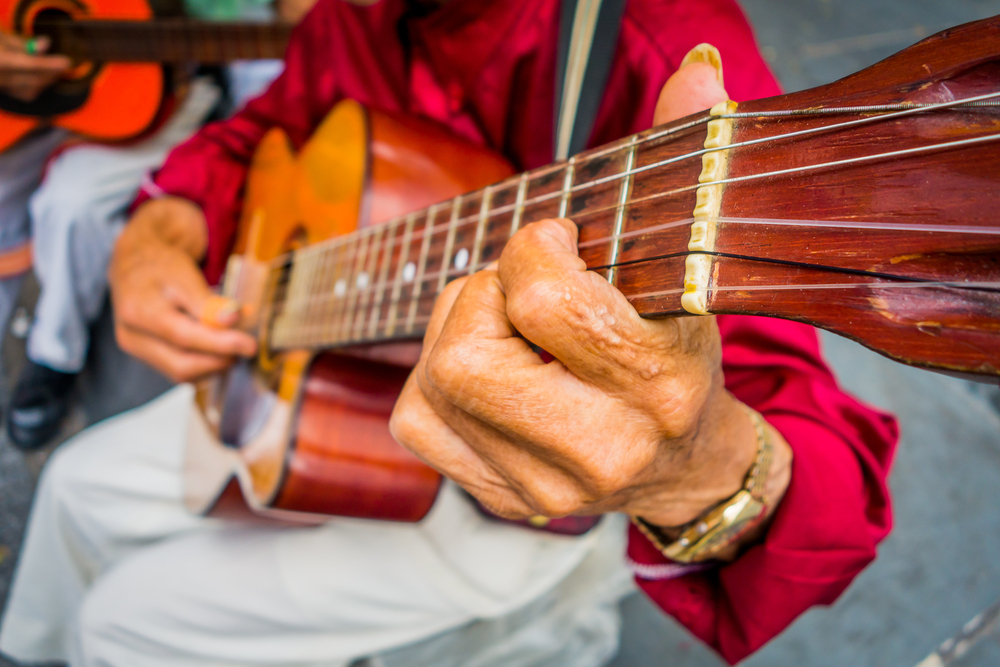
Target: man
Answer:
pixel 634 416
pixel 72 217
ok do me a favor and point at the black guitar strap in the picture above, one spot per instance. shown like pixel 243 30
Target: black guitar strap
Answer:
pixel 588 35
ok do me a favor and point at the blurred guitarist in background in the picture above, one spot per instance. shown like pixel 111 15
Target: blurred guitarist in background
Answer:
pixel 65 224
pixel 657 419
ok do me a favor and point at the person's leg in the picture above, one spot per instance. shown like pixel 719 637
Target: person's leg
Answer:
pixel 110 491
pixel 20 173
pixel 76 216
pixel 351 589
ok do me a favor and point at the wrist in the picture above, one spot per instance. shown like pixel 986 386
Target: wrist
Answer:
pixel 719 453
pixel 172 221
pixel 723 530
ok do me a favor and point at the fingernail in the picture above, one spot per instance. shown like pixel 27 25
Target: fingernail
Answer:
pixel 706 53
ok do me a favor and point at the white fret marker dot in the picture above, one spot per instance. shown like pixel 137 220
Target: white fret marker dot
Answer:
pixel 362 281
pixel 340 288
pixel 409 272
pixel 461 259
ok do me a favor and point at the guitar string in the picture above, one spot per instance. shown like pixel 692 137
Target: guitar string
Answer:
pixel 916 150
pixel 305 335
pixel 784 172
pixel 909 110
pixel 917 282
pixel 327 297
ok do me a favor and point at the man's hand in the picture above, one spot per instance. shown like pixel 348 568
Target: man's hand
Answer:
pixel 631 416
pixel 24 75
pixel 161 300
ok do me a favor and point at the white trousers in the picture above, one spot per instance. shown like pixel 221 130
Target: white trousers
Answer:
pixel 75 216
pixel 115 572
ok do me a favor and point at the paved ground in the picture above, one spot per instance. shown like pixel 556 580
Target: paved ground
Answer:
pixel 939 567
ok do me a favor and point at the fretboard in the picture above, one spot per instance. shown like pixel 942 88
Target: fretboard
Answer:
pixel 172 40
pixel 381 283
pixel 635 202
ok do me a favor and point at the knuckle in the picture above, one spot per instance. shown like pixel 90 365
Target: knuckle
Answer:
pixel 534 305
pixel 452 289
pixel 445 366
pixel 128 311
pixel 403 424
pixel 602 481
pixel 556 505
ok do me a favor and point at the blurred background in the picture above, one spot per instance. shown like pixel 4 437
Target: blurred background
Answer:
pixel 941 565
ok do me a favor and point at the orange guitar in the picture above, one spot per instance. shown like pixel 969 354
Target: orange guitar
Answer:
pixel 866 207
pixel 118 85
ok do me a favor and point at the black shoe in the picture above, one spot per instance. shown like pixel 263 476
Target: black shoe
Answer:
pixel 39 405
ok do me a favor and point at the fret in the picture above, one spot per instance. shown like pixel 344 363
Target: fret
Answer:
pixel 367 289
pixel 456 205
pixel 522 189
pixel 621 209
pixel 397 284
pixel 383 277
pixel 298 274
pixel 567 187
pixel 353 292
pixel 334 290
pixel 421 265
pixel 346 253
pixel 344 289
pixel 484 214
pixel 310 323
pixel 328 259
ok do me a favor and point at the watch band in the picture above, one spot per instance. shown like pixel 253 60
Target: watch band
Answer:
pixel 725 523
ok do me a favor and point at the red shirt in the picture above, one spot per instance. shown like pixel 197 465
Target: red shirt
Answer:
pixel 486 69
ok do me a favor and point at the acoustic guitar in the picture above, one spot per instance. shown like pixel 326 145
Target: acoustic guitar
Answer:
pixel 867 207
pixel 117 87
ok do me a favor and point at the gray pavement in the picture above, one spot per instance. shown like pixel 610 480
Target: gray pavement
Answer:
pixel 937 569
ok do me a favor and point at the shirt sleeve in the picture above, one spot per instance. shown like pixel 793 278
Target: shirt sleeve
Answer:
pixel 834 513
pixel 210 168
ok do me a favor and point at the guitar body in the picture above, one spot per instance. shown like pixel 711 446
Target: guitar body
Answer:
pixel 299 434
pixel 100 101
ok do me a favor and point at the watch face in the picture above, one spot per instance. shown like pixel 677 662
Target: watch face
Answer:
pixel 719 529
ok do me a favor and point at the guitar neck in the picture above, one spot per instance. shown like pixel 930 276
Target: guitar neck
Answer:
pixel 173 40
pixel 792 238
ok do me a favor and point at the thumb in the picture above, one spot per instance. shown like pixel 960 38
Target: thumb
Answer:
pixel 696 86
pixel 189 292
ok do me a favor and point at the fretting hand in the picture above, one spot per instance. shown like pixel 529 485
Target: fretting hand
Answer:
pixel 24 75
pixel 632 416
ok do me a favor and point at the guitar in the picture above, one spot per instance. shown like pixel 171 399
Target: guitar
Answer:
pixel 117 88
pixel 866 207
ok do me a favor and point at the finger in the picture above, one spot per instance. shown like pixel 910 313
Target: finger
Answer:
pixel 418 427
pixel 442 308
pixel 696 86
pixel 180 330
pixel 575 314
pixel 178 365
pixel 519 414
pixel 18 61
pixel 458 437
pixel 188 291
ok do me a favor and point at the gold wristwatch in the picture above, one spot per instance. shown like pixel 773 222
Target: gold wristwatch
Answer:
pixel 724 524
